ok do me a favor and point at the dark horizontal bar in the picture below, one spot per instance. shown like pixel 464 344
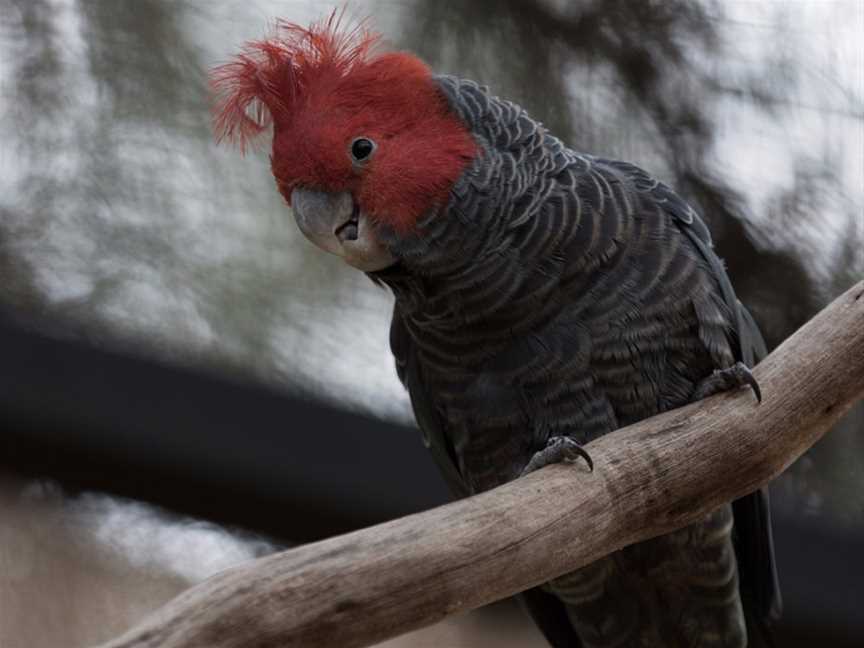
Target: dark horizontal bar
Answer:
pixel 234 453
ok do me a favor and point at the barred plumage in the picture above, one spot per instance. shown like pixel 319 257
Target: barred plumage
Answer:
pixel 564 294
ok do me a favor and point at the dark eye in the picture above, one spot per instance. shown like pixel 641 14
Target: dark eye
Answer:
pixel 362 148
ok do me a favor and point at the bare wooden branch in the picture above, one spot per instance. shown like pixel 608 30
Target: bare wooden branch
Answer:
pixel 649 478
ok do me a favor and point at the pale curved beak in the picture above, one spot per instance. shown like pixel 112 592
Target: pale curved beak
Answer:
pixel 336 224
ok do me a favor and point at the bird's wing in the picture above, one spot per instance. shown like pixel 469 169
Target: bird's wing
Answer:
pixel 753 536
pixel 429 420
pixel 754 543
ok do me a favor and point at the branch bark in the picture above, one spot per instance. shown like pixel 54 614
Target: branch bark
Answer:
pixel 650 478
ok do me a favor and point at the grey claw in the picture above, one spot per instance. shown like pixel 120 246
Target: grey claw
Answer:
pixel 579 451
pixel 558 449
pixel 754 385
pixel 722 380
pixel 743 376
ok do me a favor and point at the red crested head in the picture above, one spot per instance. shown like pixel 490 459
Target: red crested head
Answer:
pixel 345 119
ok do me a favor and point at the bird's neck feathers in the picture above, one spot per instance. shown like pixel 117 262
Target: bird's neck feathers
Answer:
pixel 464 268
pixel 479 255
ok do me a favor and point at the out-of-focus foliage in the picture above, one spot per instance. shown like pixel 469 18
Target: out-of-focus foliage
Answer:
pixel 121 221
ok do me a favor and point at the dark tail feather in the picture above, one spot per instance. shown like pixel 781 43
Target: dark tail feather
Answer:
pixel 550 616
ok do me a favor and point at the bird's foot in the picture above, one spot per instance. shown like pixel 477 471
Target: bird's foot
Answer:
pixel 738 375
pixel 559 449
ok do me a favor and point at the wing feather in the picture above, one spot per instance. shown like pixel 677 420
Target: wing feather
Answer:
pixel 753 537
pixel 429 420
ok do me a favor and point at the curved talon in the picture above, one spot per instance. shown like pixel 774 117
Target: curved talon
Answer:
pixel 738 375
pixel 750 379
pixel 579 451
pixel 558 449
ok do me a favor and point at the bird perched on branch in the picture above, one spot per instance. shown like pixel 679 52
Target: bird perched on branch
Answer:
pixel 543 297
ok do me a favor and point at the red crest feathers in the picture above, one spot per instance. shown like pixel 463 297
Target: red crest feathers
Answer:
pixel 258 86
pixel 320 88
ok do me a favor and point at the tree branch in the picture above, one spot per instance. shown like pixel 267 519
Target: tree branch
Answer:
pixel 650 478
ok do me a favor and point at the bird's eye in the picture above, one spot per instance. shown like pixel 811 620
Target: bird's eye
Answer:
pixel 362 148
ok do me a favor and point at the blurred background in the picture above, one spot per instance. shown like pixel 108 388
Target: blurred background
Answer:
pixel 168 335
